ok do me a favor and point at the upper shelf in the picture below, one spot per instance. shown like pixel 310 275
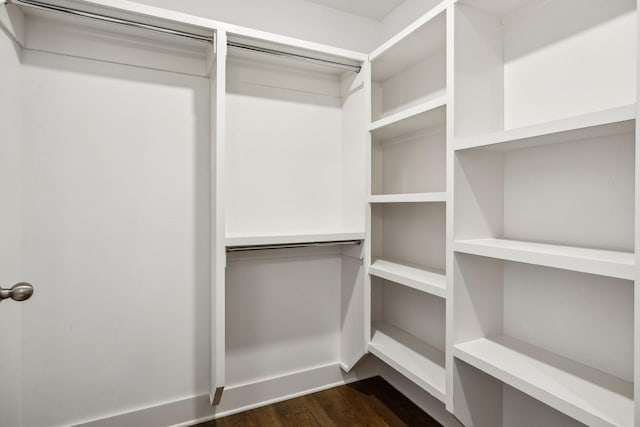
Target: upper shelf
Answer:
pixel 588 395
pixel 237 240
pixel 593 261
pixel 614 121
pixel 125 33
pixel 419 40
pixel 299 56
pixel 428 114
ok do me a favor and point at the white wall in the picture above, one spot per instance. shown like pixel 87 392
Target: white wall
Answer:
pixel 559 63
pixel 306 20
pixel 283 313
pixel 10 193
pixel 116 226
pixel 295 18
pixel 404 14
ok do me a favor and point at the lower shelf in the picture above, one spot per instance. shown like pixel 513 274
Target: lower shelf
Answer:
pixel 413 358
pixel 586 394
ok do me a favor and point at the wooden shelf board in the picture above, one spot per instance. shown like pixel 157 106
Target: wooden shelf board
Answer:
pixel 431 282
pixel 421 363
pixel 427 114
pixel 237 240
pixel 593 261
pixel 420 39
pixel 409 198
pixel 586 394
pixel 614 121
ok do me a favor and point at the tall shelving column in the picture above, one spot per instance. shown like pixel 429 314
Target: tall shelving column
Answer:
pixel 544 264
pixel 407 242
pixel 218 252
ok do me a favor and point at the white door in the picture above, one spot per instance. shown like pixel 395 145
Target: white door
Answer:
pixel 10 233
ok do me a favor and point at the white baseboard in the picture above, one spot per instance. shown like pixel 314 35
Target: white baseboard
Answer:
pixel 432 406
pixel 238 398
pixel 189 412
pixel 249 396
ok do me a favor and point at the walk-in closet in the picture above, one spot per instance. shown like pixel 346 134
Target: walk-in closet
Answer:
pixel 210 207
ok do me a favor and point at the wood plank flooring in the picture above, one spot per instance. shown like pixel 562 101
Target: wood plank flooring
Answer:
pixel 371 403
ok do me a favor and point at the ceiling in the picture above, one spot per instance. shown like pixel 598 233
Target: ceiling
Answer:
pixel 374 9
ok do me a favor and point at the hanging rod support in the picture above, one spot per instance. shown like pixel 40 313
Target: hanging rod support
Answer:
pixel 292 245
pixel 99 17
pixel 327 63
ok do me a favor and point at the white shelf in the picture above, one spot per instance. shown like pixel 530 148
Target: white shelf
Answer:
pixel 236 240
pixel 420 39
pixel 588 395
pixel 614 121
pixel 593 261
pixel 428 114
pixel 409 198
pixel 413 358
pixel 431 282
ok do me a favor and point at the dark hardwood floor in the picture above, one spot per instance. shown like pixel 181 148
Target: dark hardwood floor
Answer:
pixel 372 402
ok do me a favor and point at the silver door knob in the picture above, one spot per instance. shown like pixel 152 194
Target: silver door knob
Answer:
pixel 19 292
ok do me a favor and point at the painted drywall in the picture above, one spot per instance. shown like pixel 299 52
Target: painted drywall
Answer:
pixel 294 18
pixel 10 194
pixel 306 20
pixel 116 236
pixel 401 16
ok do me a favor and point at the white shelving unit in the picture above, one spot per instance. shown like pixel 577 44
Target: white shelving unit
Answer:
pixel 486 156
pixel 293 170
pixel 544 196
pixel 431 282
pixel 418 361
pixel 409 69
pixel 590 396
pixel 606 263
pixel 408 202
pixel 409 145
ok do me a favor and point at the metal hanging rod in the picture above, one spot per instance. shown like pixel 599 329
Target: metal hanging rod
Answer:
pixel 99 17
pixel 292 245
pixel 349 67
pixel 35 4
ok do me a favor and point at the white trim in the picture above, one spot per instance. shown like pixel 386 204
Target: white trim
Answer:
pixel 241 398
pixel 238 398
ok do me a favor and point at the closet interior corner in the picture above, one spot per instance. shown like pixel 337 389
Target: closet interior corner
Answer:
pixel 457 208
